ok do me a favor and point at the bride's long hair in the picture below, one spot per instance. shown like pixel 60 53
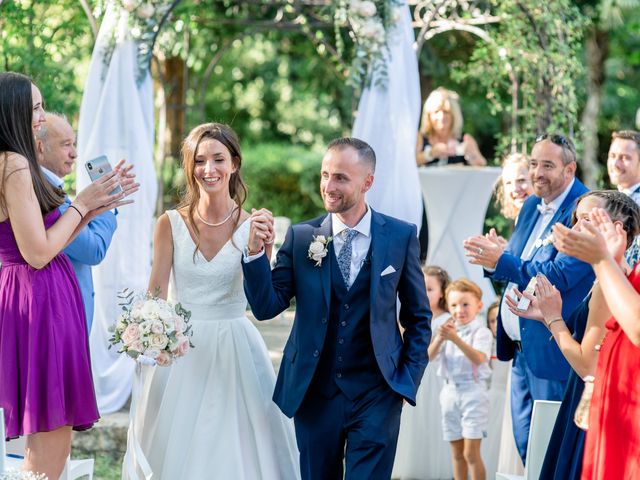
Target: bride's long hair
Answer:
pixel 237 188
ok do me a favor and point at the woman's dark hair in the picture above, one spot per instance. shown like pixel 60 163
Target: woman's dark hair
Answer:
pixel 237 188
pixel 620 208
pixel 16 135
pixel 443 279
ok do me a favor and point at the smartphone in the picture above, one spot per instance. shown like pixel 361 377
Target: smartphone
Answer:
pixel 99 167
pixel 524 302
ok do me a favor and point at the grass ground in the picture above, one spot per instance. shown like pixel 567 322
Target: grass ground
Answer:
pixel 106 467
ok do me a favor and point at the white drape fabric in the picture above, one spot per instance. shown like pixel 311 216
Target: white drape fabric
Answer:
pixel 388 119
pixel 116 119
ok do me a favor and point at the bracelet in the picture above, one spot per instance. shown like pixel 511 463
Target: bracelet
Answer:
pixel 77 210
pixel 556 319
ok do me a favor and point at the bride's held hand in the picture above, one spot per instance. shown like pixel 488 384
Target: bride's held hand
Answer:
pixel 261 230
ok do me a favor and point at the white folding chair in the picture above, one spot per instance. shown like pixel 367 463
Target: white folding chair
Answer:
pixel 543 418
pixel 73 469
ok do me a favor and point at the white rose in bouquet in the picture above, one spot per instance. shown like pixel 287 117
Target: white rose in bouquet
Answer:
pixel 158 341
pixel 156 327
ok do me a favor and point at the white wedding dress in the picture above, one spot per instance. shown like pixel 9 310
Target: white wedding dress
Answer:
pixel 210 414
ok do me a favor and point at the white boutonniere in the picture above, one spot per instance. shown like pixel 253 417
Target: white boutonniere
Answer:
pixel 318 248
pixel 543 242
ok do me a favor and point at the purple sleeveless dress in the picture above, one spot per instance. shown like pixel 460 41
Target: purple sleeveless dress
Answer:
pixel 45 371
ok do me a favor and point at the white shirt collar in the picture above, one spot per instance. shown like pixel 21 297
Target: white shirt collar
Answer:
pixel 556 203
pixel 469 327
pixel 629 191
pixel 363 226
pixel 52 177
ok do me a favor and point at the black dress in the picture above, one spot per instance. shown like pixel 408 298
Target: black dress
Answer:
pixel 563 460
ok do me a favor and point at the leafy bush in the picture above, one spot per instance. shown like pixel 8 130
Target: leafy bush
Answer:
pixel 283 178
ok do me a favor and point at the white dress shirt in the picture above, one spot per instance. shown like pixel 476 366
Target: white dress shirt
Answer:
pixel 359 244
pixel 511 322
pixel 455 366
pixel 632 192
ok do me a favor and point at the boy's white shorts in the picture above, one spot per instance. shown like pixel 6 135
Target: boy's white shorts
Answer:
pixel 465 410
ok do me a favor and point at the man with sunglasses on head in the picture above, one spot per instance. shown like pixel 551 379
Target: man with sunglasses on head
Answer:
pixel 539 369
pixel 623 165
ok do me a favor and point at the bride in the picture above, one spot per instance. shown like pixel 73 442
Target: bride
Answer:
pixel 210 414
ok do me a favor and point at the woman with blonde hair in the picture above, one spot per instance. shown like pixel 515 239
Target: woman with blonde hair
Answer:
pixel 440 139
pixel 514 185
pixel 209 414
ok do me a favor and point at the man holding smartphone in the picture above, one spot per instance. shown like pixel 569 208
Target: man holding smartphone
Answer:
pixel 56 148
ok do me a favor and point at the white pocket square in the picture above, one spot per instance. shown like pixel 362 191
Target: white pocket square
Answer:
pixel 388 271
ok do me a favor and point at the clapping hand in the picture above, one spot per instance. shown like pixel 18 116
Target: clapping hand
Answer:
pixel 592 241
pixel 261 233
pixel 484 250
pixel 448 330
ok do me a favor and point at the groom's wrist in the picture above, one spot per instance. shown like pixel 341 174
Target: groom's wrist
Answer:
pixel 250 252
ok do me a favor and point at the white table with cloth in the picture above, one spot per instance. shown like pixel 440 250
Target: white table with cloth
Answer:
pixel 456 199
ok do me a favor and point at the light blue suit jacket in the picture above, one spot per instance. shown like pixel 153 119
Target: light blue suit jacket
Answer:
pixel 87 249
pixel 571 276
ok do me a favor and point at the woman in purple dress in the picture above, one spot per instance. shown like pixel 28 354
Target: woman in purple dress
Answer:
pixel 46 389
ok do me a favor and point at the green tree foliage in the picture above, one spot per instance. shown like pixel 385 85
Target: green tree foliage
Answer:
pixel 50 41
pixel 536 45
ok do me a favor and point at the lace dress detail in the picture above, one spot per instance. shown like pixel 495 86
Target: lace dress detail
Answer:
pixel 212 410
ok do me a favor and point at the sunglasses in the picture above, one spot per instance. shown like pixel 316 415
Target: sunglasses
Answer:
pixel 555 138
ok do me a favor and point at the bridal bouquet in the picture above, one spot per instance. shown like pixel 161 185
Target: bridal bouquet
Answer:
pixel 151 330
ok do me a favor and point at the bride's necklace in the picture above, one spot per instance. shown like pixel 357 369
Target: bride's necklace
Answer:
pixel 233 209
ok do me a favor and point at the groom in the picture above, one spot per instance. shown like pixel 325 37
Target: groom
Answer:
pixel 346 366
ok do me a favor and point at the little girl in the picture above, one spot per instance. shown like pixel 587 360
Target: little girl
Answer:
pixel 463 345
pixel 421 452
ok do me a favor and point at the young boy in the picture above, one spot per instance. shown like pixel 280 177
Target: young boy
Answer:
pixel 463 345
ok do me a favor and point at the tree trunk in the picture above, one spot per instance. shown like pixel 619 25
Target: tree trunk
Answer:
pixel 597 50
pixel 174 69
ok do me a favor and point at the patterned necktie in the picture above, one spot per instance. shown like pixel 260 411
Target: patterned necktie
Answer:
pixel 344 257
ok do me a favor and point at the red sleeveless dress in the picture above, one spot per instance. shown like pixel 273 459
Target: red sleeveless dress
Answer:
pixel 612 449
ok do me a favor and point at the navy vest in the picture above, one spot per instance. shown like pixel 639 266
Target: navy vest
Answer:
pixel 348 362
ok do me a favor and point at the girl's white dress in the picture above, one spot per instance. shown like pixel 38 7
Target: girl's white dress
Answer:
pixel 210 414
pixel 422 453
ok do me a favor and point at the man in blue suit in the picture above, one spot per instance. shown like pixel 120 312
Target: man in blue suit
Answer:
pixel 56 146
pixel 540 370
pixel 346 366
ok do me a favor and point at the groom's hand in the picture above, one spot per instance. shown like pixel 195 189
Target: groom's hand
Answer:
pixel 261 231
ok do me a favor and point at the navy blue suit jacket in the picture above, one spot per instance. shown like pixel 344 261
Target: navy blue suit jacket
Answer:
pixel 571 276
pixel 401 358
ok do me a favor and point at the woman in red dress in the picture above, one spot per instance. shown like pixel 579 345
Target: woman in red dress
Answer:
pixel 612 449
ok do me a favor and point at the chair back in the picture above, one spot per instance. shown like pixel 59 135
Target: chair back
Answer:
pixel 543 419
pixel 3 450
